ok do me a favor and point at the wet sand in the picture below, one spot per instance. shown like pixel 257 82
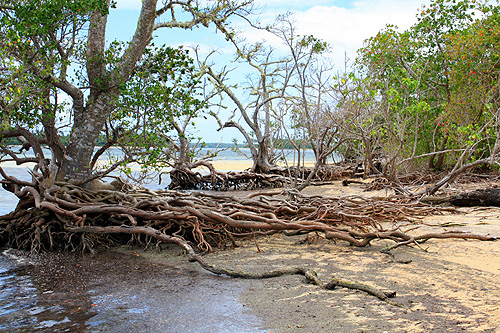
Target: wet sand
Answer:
pixel 118 291
pixel 452 286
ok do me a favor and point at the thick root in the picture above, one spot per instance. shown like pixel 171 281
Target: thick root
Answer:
pixel 210 220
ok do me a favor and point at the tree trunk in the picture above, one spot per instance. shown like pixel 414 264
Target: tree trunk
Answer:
pixel 89 119
pixel 84 134
pixel 368 160
pixel 441 156
pixel 261 161
pixel 183 158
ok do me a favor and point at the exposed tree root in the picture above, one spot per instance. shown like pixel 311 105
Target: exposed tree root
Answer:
pixel 191 179
pixel 309 274
pixel 69 218
pixel 207 220
pixel 186 179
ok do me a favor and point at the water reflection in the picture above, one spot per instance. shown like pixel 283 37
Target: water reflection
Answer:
pixel 115 292
pixel 43 296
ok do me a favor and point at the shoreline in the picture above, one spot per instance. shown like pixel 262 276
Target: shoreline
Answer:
pixel 453 285
pixel 443 288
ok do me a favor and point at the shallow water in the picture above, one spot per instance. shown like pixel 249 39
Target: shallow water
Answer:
pixel 115 292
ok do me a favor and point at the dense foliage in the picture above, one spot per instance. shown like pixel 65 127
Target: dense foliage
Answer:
pixel 161 95
pixel 437 84
pixel 66 85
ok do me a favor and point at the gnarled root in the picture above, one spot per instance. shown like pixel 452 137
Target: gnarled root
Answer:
pixel 310 274
pixel 210 220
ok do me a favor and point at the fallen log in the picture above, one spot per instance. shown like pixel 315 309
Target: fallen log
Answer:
pixel 481 197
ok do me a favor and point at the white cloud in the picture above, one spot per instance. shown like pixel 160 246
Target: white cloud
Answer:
pixel 344 27
pixel 292 4
pixel 267 4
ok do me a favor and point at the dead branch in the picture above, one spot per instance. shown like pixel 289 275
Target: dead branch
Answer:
pixel 310 274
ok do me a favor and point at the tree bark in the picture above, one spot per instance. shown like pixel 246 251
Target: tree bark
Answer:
pixel 89 119
pixel 442 155
pixel 261 162
pixel 482 197
pixel 83 137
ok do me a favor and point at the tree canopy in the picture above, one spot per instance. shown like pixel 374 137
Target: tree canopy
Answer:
pixel 429 93
pixel 437 84
pixel 129 93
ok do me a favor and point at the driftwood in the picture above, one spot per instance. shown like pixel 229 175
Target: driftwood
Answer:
pixel 481 197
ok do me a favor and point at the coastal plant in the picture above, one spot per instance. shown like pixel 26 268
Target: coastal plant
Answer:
pixel 134 95
pixel 142 98
pixel 433 98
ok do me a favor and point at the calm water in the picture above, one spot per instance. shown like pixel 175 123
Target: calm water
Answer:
pixel 113 292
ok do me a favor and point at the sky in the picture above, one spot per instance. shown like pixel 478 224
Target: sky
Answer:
pixel 344 24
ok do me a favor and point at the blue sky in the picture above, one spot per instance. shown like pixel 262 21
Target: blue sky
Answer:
pixel 343 24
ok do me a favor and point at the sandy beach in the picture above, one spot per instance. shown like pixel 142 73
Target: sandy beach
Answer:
pixel 449 285
pixel 232 165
